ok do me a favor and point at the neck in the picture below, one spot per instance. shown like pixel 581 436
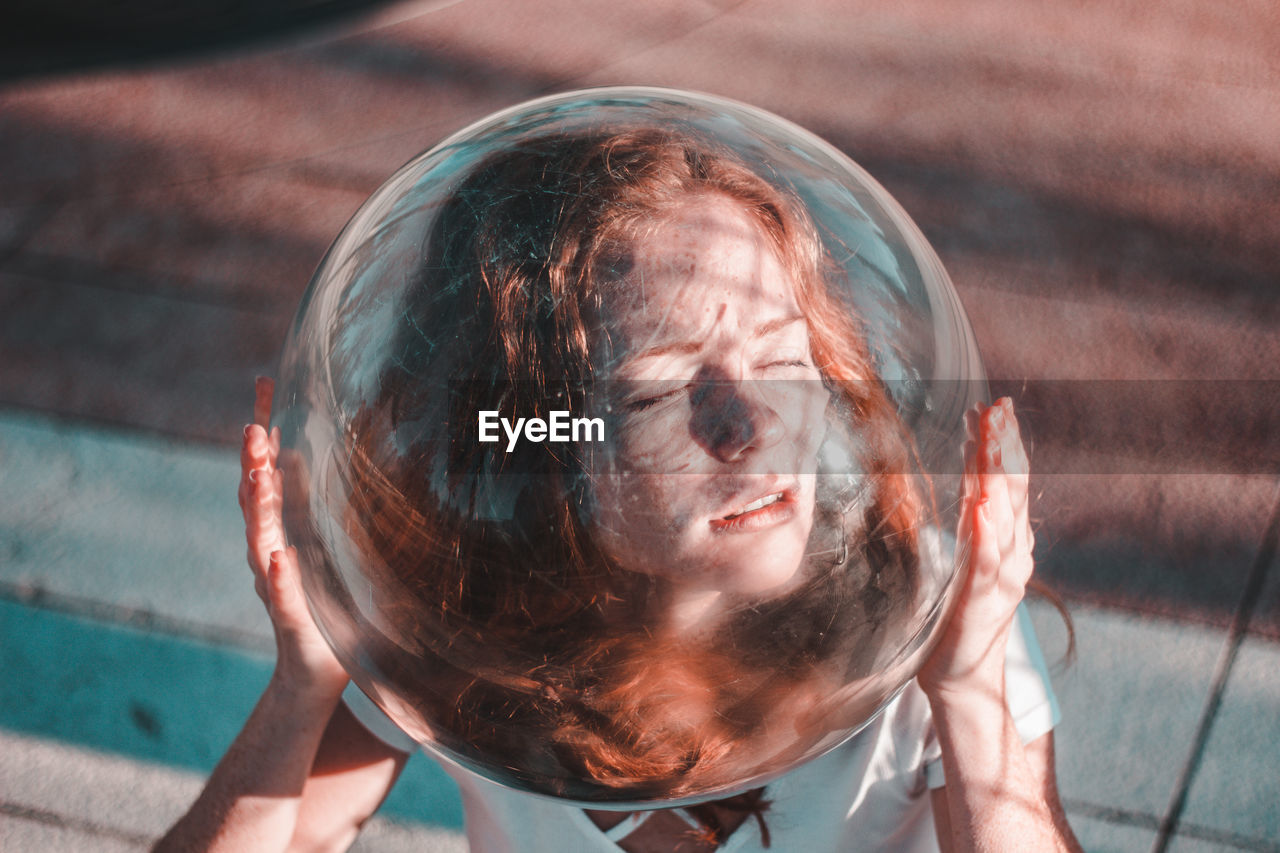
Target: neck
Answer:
pixel 694 610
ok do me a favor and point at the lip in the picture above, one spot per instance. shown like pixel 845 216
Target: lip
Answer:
pixel 779 512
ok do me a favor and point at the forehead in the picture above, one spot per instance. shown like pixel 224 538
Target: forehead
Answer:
pixel 708 260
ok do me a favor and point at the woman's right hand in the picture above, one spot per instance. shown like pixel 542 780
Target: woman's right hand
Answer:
pixel 969 660
pixel 275 784
pixel 304 661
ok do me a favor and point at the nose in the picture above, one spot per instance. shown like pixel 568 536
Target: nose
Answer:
pixel 732 418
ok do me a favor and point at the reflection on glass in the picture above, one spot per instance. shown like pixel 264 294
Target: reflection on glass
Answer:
pixel 596 482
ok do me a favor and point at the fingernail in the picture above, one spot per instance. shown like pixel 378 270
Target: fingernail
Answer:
pixel 247 427
pixel 253 476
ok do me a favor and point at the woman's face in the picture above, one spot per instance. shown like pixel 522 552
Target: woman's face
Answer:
pixel 717 410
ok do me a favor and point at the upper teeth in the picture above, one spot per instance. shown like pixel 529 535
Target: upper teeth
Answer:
pixel 763 502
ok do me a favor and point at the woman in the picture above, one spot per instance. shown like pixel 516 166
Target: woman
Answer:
pixel 657 279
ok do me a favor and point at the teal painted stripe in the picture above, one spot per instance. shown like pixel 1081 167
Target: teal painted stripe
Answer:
pixel 156 697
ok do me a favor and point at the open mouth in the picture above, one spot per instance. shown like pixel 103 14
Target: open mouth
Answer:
pixel 763 512
pixel 755 505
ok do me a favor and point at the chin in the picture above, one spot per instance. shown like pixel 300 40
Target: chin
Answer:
pixel 764 570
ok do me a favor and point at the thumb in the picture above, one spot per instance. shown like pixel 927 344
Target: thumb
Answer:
pixel 284 587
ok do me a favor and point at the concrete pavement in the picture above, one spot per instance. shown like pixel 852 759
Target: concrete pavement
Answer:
pixel 125 680
pixel 1102 182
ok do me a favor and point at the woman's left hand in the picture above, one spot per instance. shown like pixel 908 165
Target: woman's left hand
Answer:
pixel 304 662
pixel 969 659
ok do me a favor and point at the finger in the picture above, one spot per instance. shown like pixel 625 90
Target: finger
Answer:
pixel 284 585
pixel 1017 467
pixel 970 495
pixel 1009 529
pixel 994 487
pixel 972 488
pixel 253 456
pixel 262 527
pixel 273 444
pixel 255 449
pixel 263 387
pixel 1018 463
pixel 1018 430
pixel 271 533
pixel 253 527
pixel 969 486
pixel 1013 454
pixel 246 465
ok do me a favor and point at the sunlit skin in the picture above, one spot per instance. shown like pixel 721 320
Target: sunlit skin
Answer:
pixel 992 780
pixel 718 413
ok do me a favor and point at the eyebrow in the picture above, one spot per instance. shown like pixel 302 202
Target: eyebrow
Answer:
pixel 691 347
pixel 768 328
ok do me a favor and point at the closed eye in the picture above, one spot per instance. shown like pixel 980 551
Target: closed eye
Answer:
pixel 644 403
pixel 797 362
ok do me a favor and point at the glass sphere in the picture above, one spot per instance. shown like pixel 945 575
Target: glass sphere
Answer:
pixel 622 436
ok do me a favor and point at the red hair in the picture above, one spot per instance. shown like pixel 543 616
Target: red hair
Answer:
pixel 513 634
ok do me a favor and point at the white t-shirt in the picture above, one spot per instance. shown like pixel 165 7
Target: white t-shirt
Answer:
pixel 870 793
